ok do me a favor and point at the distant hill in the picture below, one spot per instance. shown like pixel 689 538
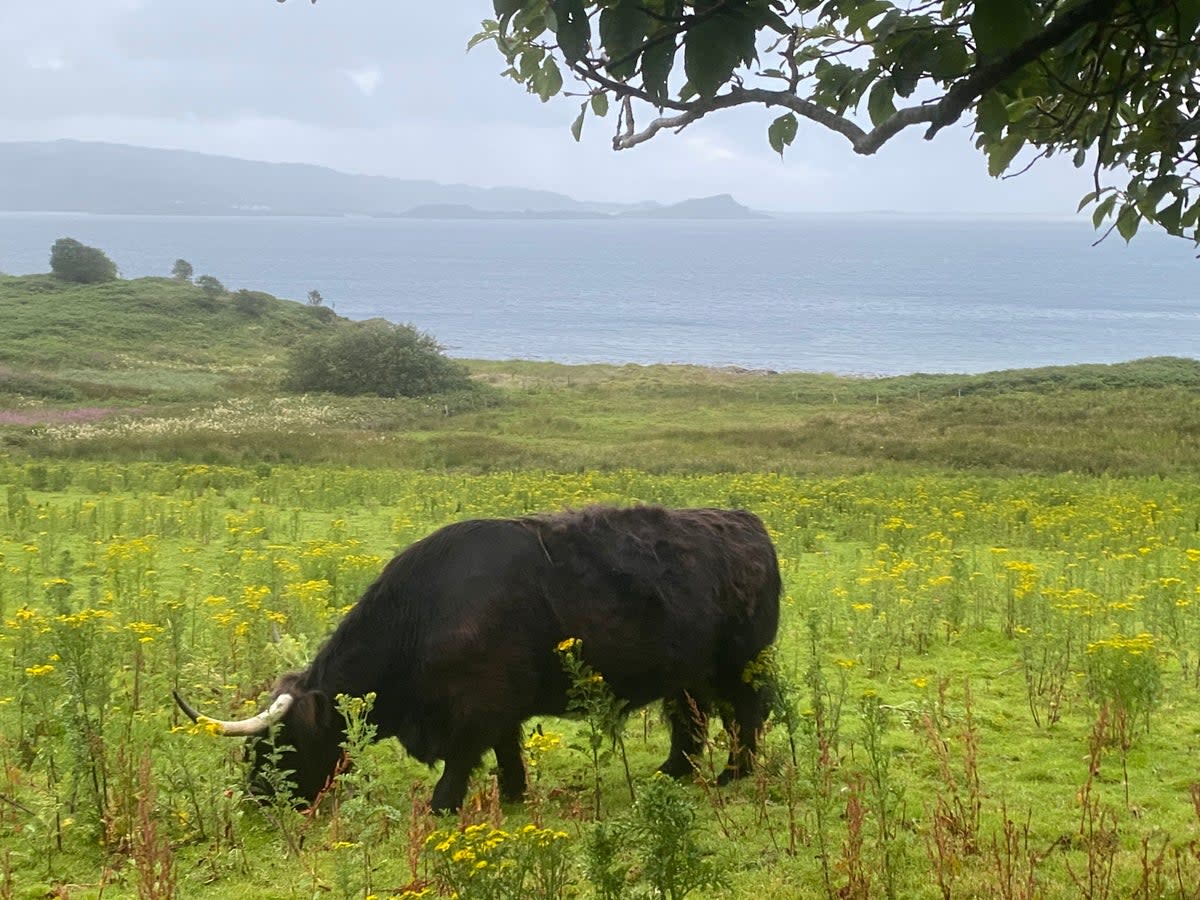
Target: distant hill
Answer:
pixel 462 211
pixel 722 206
pixel 76 176
pixel 79 176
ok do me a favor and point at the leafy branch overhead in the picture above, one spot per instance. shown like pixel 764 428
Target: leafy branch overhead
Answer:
pixel 1113 83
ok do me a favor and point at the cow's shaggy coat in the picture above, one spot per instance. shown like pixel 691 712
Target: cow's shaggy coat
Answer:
pixel 457 638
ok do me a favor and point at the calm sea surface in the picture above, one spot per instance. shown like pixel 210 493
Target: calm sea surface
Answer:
pixel 847 294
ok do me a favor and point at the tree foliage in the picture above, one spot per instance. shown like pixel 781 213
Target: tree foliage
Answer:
pixel 73 261
pixel 374 357
pixel 251 303
pixel 1111 83
pixel 211 286
pixel 182 270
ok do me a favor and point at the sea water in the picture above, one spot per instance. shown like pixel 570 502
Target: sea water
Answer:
pixel 853 294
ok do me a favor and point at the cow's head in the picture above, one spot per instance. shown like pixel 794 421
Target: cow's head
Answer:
pixel 295 743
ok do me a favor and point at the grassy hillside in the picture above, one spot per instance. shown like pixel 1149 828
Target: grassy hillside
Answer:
pixel 151 369
pixel 146 338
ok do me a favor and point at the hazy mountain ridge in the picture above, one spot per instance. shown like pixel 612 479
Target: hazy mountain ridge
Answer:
pixel 78 176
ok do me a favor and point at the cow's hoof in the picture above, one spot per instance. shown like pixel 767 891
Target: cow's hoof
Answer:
pixel 677 768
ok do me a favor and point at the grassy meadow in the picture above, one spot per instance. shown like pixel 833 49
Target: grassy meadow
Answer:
pixel 988 667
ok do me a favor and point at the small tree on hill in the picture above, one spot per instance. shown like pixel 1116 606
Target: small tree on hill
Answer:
pixel 374 357
pixel 182 270
pixel 73 261
pixel 211 287
pixel 315 298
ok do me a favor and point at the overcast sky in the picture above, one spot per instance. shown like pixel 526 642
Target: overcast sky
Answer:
pixel 385 87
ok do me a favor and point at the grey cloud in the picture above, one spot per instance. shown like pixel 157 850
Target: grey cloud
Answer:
pixel 265 80
pixel 224 58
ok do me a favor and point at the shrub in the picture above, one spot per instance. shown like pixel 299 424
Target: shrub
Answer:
pixel 321 313
pixel 73 261
pixel 374 357
pixel 251 303
pixel 211 287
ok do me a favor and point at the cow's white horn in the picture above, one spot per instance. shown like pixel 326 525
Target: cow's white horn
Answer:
pixel 256 724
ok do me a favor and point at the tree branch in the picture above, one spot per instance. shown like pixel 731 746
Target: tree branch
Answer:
pixel 864 142
pixel 984 77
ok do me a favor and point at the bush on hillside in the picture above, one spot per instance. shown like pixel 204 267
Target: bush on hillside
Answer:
pixel 79 263
pixel 321 313
pixel 374 357
pixel 251 303
pixel 211 287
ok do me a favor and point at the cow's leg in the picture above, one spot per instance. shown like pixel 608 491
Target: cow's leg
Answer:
pixel 689 728
pixel 511 766
pixel 747 711
pixel 451 788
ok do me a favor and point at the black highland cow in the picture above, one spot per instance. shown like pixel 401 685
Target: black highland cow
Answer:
pixel 457 639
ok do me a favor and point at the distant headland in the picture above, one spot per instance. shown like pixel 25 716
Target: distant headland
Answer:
pixel 99 178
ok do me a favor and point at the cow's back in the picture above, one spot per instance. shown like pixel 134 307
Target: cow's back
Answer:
pixel 660 597
pixel 462 626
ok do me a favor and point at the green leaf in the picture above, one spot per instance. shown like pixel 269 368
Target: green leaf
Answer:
pixel 506 7
pixel 858 18
pixel 1100 213
pixel 765 17
pixel 574 31
pixel 1001 153
pixel 879 103
pixel 622 30
pixel 531 61
pixel 711 53
pixel 477 39
pixel 1168 217
pixel 1189 17
pixel 1160 187
pixel 600 104
pixel 991 116
pixel 949 59
pixel 1128 220
pixel 577 125
pixel 888 24
pixel 782 132
pixel 657 61
pixel 1089 197
pixel 999 25
pixel 548 80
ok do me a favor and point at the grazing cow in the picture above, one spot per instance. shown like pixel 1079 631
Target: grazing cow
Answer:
pixel 457 639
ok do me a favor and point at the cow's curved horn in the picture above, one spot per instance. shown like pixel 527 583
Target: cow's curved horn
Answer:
pixel 256 724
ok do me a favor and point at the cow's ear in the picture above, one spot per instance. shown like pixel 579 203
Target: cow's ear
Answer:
pixel 322 709
pixel 314 710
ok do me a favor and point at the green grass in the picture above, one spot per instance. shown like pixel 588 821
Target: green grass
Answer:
pixel 154 349
pixel 952 545
pixel 150 337
pixel 958 609
pixel 156 355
